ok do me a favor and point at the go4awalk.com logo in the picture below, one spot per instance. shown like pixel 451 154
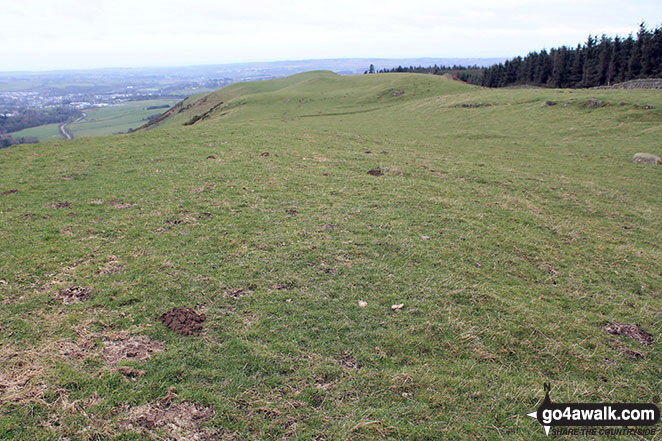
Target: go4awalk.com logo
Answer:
pixel 606 419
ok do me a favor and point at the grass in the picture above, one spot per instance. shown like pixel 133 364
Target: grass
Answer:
pixel 103 121
pixel 47 132
pixel 512 232
pixel 118 118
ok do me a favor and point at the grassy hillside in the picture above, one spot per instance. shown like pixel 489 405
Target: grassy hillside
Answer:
pixel 511 231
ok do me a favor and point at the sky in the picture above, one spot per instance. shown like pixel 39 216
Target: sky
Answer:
pixel 77 34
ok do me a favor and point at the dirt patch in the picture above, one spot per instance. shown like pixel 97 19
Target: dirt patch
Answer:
pixel 98 201
pixel 375 172
pixel 116 203
pixel 59 205
pixel 123 347
pixel 180 421
pixel 74 294
pixel 633 354
pixel 239 292
pixel 21 376
pixel 119 204
pixel 211 157
pixel 285 286
pixel 67 178
pixel 291 211
pixel 631 331
pixel 184 321
pixel 112 266
pixel 128 371
pixel 347 360
pixel 265 154
pixel 6 192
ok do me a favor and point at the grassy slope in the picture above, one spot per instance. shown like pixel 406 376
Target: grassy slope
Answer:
pixel 511 232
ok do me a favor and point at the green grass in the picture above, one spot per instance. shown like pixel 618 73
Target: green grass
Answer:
pixel 512 232
pixel 47 132
pixel 103 121
pixel 117 118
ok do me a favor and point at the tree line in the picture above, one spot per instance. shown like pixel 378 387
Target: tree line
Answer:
pixel 600 61
pixel 469 74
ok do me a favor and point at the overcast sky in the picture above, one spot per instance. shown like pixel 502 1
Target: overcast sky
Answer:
pixel 44 34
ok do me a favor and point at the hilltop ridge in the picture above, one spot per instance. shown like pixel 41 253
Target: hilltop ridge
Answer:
pixel 307 94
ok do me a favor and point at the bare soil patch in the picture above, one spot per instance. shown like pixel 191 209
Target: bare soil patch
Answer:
pixel 74 294
pixel 347 360
pixel 183 321
pixel 265 154
pixel 59 204
pixel 123 347
pixel 238 292
pixel 128 371
pixel 375 172
pixel 112 266
pixel 291 211
pixel 119 204
pixel 6 192
pixel 631 331
pixel 181 421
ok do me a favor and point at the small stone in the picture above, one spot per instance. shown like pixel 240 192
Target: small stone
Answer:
pixel 646 158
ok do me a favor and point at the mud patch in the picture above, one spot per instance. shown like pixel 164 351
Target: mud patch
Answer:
pixel 6 192
pixel 631 331
pixel 59 204
pixel 123 347
pixel 74 294
pixel 375 172
pixel 183 321
pixel 180 421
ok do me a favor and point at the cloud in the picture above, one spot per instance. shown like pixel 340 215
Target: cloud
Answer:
pixel 43 34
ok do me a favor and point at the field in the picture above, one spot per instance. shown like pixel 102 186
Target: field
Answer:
pixel 118 119
pixel 103 120
pixel 495 238
pixel 47 132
